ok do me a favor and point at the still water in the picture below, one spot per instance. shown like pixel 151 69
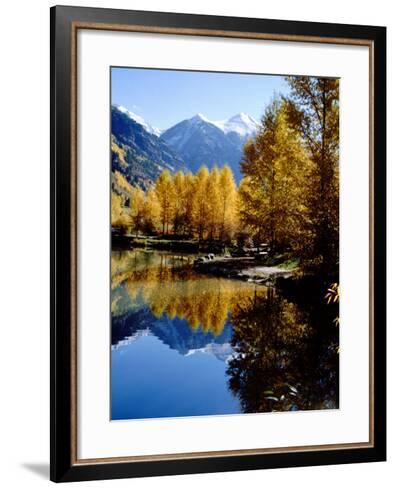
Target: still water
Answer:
pixel 187 344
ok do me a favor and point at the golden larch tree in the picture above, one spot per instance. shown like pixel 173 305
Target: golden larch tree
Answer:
pixel 228 203
pixel 165 191
pixel 274 191
pixel 213 197
pixel 201 204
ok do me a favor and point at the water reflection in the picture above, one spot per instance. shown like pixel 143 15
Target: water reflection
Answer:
pixel 169 286
pixel 187 344
pixel 283 360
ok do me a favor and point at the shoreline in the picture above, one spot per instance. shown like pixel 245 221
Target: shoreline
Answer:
pixel 245 269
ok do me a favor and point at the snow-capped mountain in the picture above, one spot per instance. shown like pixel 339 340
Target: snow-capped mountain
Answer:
pixel 180 134
pixel 138 154
pixel 223 352
pixel 201 141
pixel 140 120
pixel 187 145
pixel 242 124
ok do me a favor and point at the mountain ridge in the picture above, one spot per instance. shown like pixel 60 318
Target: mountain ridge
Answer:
pixel 201 141
pixel 140 156
pixel 140 120
pixel 140 152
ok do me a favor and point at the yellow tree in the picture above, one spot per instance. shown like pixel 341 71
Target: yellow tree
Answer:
pixel 313 109
pixel 189 197
pixel 120 183
pixel 119 216
pixel 151 211
pixel 227 203
pixel 165 191
pixel 201 204
pixel 213 197
pixel 248 209
pixel 116 209
pixel 273 193
pixel 179 213
pixel 137 206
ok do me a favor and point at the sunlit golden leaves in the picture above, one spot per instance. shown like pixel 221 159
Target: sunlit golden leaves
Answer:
pixel 273 193
pixel 119 151
pixel 120 216
pixel 169 288
pixel 313 110
pixel 202 206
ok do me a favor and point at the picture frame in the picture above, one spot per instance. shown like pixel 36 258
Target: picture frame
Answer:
pixel 66 23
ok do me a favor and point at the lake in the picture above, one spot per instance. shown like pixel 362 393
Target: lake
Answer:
pixel 188 344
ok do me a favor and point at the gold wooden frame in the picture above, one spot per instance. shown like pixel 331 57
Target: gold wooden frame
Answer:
pixel 75 26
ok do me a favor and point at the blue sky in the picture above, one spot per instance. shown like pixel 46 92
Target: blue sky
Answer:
pixel 165 97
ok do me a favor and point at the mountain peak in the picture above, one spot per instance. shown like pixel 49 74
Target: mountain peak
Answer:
pixel 137 154
pixel 200 117
pixel 242 123
pixel 138 119
pixel 242 116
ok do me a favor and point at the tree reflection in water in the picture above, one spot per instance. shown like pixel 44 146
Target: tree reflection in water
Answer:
pixel 170 287
pixel 284 347
pixel 285 357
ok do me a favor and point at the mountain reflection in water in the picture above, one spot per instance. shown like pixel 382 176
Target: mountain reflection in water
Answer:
pixel 188 344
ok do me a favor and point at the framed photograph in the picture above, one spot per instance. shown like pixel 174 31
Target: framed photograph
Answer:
pixel 218 243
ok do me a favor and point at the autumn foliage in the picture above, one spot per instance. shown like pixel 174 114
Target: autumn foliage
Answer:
pixel 202 206
pixel 288 197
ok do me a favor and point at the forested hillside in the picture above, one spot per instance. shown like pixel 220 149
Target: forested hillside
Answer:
pixel 140 156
